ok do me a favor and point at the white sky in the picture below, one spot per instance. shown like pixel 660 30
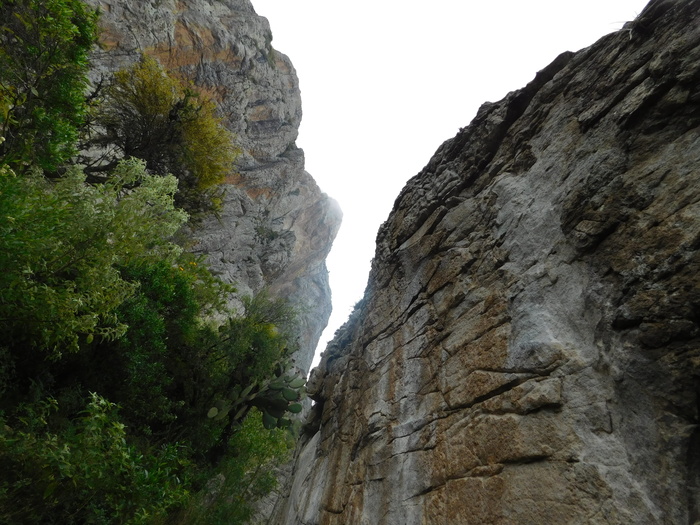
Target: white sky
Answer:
pixel 385 82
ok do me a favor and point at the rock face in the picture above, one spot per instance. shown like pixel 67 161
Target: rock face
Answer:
pixel 276 227
pixel 527 351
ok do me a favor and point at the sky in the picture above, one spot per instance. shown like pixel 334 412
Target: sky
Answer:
pixel 385 82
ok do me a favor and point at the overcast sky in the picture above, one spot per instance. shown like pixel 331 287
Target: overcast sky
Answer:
pixel 385 82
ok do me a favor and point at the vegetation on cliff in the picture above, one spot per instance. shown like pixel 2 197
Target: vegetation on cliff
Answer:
pixel 44 47
pixel 146 112
pixel 122 399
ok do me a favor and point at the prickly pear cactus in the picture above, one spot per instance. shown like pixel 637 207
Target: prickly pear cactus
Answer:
pixel 275 397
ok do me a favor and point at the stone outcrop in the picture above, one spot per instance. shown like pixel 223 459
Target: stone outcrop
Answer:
pixel 527 350
pixel 276 227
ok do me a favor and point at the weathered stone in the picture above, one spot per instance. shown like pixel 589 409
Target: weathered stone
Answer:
pixel 527 347
pixel 276 226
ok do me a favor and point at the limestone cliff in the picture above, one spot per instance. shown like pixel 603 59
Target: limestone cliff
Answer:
pixel 527 347
pixel 276 227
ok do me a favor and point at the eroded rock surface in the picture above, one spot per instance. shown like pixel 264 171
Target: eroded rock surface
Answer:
pixel 276 227
pixel 527 348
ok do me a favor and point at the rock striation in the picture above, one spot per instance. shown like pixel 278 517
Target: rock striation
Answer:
pixel 276 227
pixel 527 350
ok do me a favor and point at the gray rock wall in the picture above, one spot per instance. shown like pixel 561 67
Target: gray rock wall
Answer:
pixel 527 349
pixel 276 227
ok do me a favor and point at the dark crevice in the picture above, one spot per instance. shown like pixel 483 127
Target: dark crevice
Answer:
pixel 489 395
pixel 527 460
pixel 500 390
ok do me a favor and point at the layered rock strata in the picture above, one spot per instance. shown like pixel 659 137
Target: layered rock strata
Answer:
pixel 527 350
pixel 276 227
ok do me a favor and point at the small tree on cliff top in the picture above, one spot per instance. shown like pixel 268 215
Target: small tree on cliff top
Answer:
pixel 149 114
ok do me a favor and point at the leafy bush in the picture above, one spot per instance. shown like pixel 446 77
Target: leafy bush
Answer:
pixel 44 46
pixel 149 114
pixel 96 298
pixel 61 246
pixel 247 475
pixel 255 342
pixel 173 367
pixel 85 473
pixel 158 355
pixel 99 305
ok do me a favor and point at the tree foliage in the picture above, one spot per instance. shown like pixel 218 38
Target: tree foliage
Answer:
pixel 99 307
pixel 61 246
pixel 126 383
pixel 87 473
pixel 150 114
pixel 44 46
pixel 249 476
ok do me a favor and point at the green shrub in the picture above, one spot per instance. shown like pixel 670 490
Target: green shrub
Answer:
pixel 245 476
pixel 44 46
pixel 158 354
pixel 255 342
pixel 85 472
pixel 99 305
pixel 149 114
pixel 96 298
pixel 61 246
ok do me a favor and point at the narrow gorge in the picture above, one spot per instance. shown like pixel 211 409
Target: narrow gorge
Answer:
pixel 526 351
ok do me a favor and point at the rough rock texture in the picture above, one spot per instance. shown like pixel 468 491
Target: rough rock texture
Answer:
pixel 276 227
pixel 527 348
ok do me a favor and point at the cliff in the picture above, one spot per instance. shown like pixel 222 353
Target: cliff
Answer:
pixel 527 347
pixel 276 227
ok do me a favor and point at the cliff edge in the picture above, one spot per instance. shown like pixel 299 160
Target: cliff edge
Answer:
pixel 527 347
pixel 276 227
